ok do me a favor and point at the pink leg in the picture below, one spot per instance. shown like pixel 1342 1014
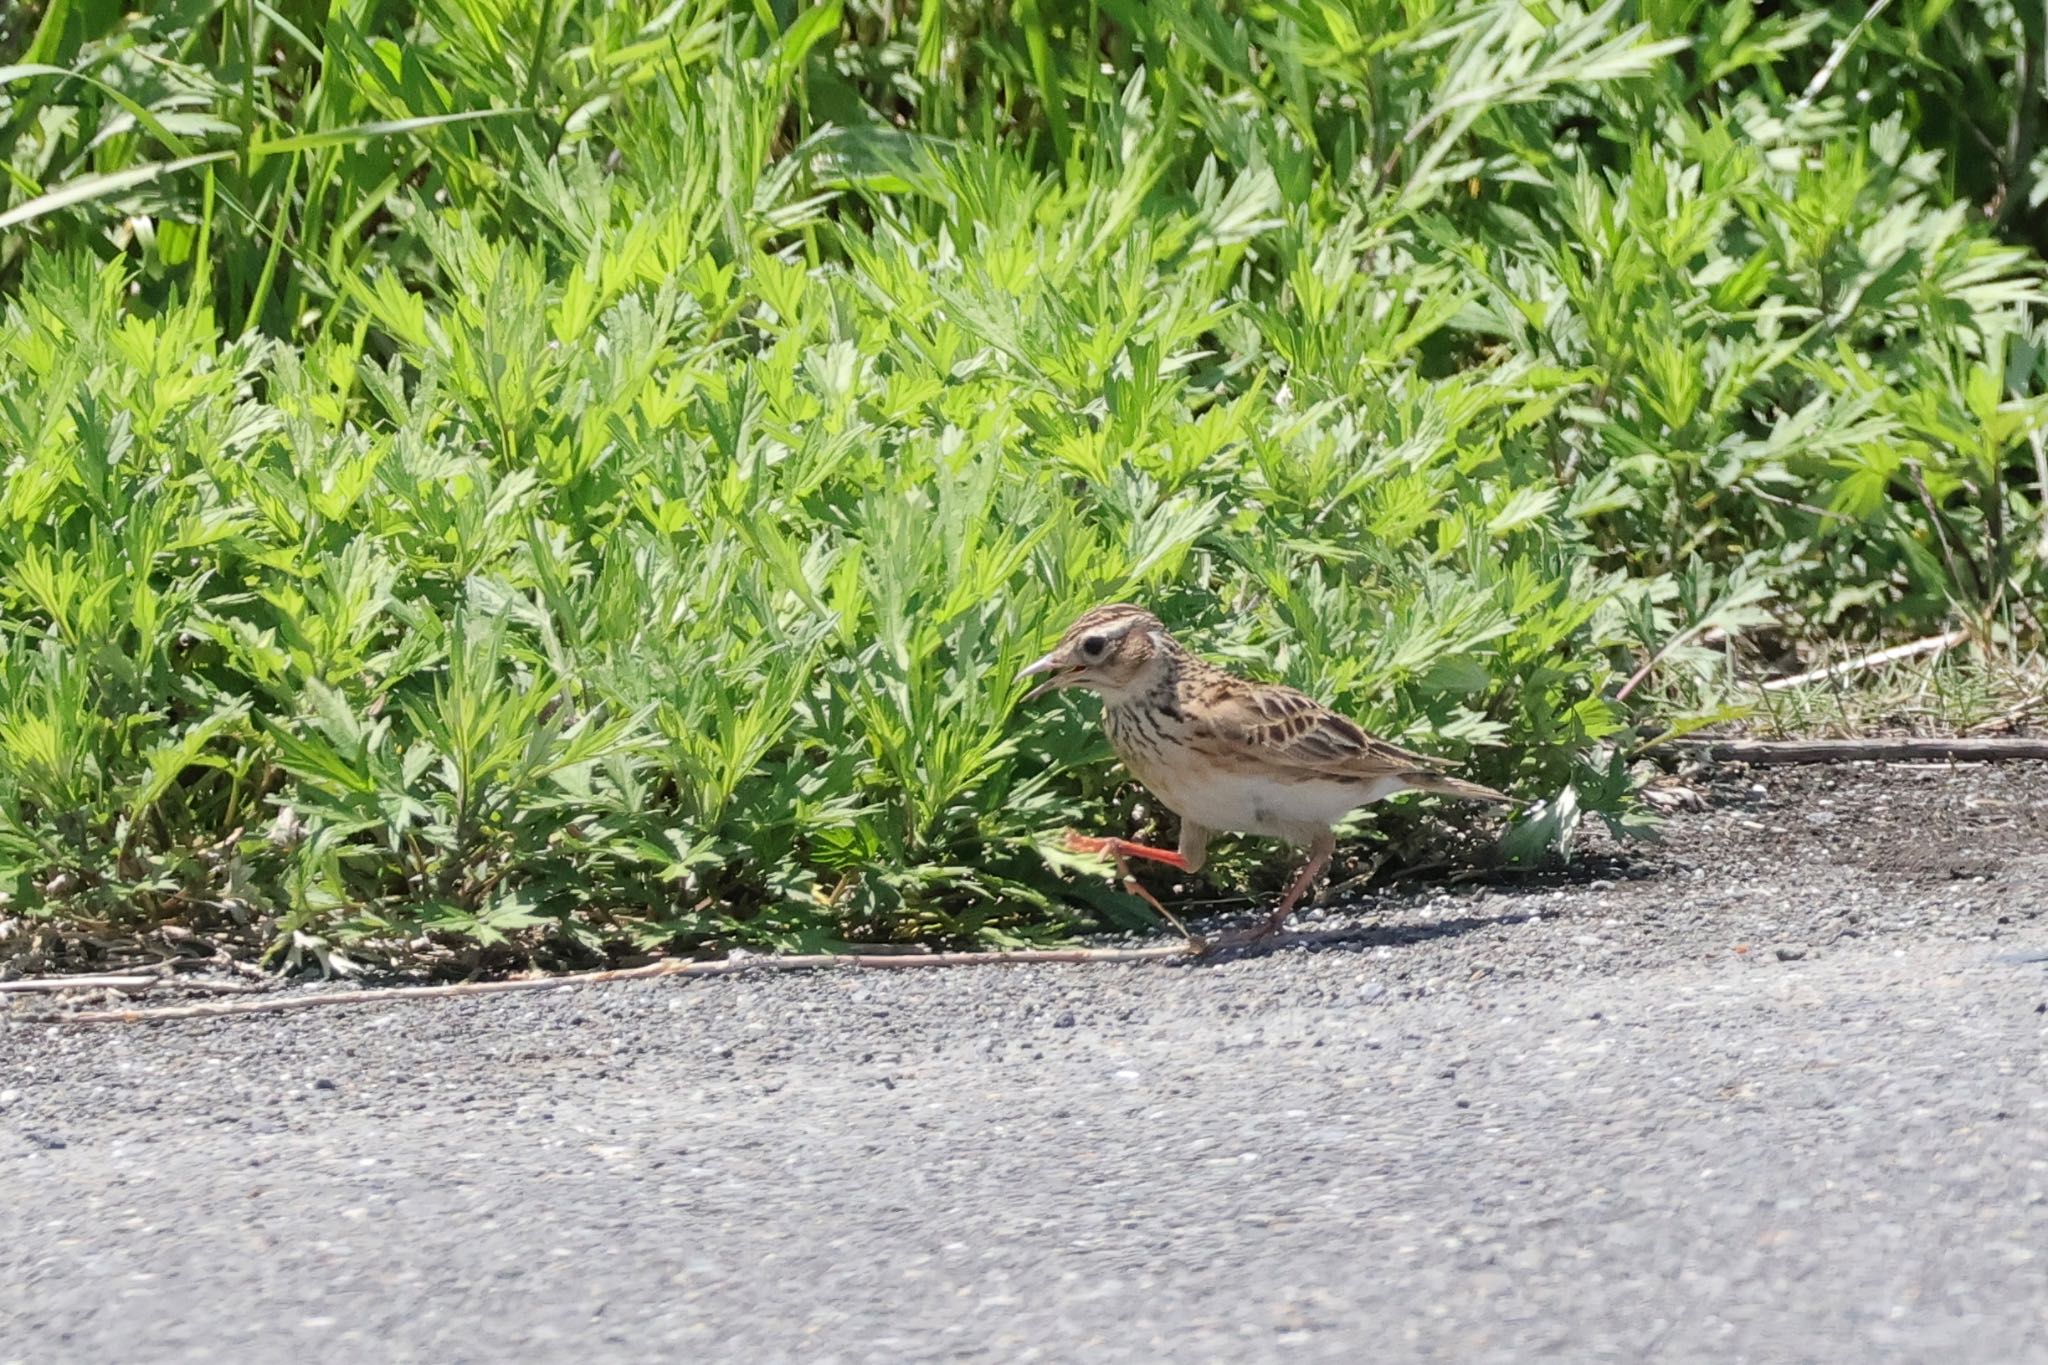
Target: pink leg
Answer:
pixel 1318 858
pixel 1123 850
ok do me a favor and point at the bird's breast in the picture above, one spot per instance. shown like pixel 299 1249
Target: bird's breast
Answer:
pixel 1152 744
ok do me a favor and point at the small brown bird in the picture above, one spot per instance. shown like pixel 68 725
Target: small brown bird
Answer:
pixel 1224 753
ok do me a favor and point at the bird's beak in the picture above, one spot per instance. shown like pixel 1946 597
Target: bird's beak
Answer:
pixel 1049 664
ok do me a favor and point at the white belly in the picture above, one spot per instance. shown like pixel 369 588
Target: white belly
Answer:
pixel 1246 804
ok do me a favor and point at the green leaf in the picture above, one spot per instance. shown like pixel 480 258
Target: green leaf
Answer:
pixel 85 189
pixel 364 132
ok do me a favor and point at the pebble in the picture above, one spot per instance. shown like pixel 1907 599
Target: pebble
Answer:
pixel 1791 952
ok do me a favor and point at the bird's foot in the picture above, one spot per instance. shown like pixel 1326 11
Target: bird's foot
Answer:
pixel 1123 850
pixel 1246 937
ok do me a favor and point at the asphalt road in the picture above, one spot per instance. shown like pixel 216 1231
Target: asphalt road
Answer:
pixel 1780 1094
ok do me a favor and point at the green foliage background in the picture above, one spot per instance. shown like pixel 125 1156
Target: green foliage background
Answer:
pixel 586 473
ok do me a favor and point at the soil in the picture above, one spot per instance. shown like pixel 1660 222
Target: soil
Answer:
pixel 1773 1089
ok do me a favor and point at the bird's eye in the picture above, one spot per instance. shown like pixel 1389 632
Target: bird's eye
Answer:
pixel 1093 646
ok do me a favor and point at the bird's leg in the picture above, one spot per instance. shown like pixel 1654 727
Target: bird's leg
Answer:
pixel 1318 859
pixel 1123 850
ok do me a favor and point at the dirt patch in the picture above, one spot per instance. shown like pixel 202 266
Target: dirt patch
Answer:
pixel 1899 823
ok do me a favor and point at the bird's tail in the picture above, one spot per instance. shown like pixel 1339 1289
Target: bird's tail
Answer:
pixel 1437 784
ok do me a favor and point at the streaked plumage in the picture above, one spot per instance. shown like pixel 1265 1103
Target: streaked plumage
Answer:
pixel 1225 753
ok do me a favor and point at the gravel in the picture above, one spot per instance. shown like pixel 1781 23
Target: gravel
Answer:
pixel 1772 1090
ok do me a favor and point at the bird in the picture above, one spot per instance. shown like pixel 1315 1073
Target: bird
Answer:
pixel 1224 753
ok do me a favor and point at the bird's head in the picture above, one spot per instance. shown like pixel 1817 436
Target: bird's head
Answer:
pixel 1111 651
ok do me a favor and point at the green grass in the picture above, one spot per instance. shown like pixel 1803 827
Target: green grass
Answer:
pixel 582 477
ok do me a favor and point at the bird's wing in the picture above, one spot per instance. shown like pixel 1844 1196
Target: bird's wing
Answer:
pixel 1280 726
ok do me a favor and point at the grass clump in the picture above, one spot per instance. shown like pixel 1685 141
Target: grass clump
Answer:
pixel 587 474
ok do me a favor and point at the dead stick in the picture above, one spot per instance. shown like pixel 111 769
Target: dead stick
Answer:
pixel 134 985
pixel 1933 644
pixel 1762 752
pixel 726 967
pixel 80 983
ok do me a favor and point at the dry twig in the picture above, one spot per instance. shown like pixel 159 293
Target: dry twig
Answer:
pixel 133 985
pixel 1933 644
pixel 725 967
pixel 1766 752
